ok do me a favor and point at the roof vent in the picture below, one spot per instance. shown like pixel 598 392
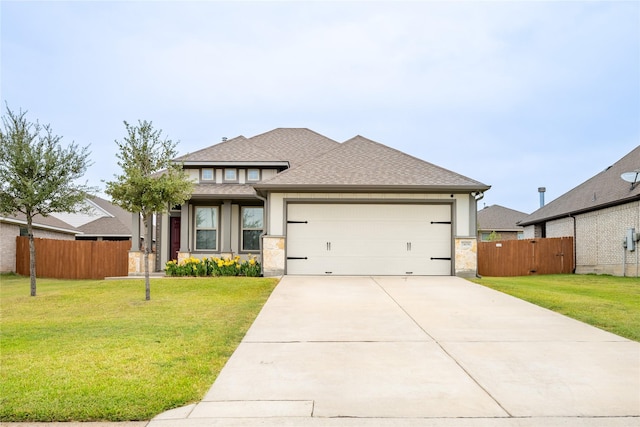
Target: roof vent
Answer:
pixel 224 139
pixel 541 190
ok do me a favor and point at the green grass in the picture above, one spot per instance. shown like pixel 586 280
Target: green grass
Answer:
pixel 607 302
pixel 96 350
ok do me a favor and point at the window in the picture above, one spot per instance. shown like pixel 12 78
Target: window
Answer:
pixel 206 228
pixel 230 175
pixel 251 228
pixel 24 232
pixel 207 174
pixel 253 175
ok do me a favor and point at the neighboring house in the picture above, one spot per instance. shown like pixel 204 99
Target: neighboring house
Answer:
pixel 306 204
pixel 12 226
pixel 603 216
pixel 496 222
pixel 100 221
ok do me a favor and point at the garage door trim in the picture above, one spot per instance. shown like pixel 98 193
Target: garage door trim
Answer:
pixel 327 201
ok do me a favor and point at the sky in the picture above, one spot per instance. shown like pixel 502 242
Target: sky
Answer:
pixel 516 95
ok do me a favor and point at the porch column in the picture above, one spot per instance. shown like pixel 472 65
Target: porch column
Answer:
pixel 135 232
pixel 184 227
pixel 226 226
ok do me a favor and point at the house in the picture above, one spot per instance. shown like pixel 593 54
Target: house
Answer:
pixel 602 215
pixel 99 220
pixel 306 204
pixel 496 222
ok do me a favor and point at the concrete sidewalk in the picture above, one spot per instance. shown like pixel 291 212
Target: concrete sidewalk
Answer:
pixel 417 351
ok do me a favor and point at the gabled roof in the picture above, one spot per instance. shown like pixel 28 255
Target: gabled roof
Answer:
pixel 290 146
pixel 101 219
pixel 361 163
pixel 499 218
pixel 115 222
pixel 603 190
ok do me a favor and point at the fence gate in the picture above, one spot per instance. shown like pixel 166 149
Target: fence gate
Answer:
pixel 74 259
pixel 526 257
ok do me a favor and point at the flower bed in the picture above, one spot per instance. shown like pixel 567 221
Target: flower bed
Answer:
pixel 214 266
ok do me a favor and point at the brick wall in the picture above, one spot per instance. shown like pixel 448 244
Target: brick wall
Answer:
pixel 599 237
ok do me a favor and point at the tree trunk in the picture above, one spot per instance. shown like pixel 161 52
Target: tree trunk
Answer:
pixel 147 248
pixel 32 254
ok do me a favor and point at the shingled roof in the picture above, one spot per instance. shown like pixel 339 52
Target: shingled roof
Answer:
pixel 603 190
pixel 361 163
pixel 499 218
pixel 291 145
pixel 116 223
pixel 42 222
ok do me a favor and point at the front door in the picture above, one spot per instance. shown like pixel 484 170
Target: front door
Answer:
pixel 174 240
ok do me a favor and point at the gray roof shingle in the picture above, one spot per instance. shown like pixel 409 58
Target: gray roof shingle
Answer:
pixel 226 190
pixel 603 190
pixel 499 218
pixel 363 163
pixel 293 145
pixel 117 225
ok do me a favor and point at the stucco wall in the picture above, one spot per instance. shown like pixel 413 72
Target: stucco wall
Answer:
pixel 8 234
pixel 599 237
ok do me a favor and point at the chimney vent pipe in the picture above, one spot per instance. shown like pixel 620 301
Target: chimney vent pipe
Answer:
pixel 541 190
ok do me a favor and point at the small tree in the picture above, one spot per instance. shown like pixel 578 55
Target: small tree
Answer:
pixel 38 175
pixel 150 182
pixel 494 236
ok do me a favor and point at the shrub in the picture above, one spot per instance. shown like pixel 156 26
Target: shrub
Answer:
pixel 214 267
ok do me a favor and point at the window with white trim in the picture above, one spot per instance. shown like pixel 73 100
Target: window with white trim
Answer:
pixel 207 174
pixel 252 226
pixel 230 175
pixel 253 174
pixel 206 228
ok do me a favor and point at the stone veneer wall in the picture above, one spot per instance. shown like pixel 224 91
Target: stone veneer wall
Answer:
pixel 136 263
pixel 466 257
pixel 273 259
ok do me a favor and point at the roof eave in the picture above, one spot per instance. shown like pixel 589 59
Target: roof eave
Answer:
pixel 276 164
pixel 580 211
pixel 104 235
pixel 222 196
pixel 40 226
pixel 304 188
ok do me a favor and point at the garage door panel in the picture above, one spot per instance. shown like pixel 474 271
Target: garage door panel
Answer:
pixel 364 239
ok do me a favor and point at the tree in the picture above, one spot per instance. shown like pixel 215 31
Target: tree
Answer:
pixel 494 237
pixel 150 181
pixel 37 175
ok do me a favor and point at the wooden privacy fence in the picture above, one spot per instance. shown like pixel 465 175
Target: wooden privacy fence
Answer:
pixel 74 259
pixel 526 257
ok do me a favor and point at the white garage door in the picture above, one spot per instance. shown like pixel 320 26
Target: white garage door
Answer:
pixel 368 239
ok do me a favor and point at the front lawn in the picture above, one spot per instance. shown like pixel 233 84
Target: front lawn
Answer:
pixel 96 350
pixel 607 302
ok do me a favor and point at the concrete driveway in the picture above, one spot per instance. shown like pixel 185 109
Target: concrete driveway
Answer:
pixel 423 351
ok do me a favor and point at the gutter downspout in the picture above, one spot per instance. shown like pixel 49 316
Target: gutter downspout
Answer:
pixel 478 196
